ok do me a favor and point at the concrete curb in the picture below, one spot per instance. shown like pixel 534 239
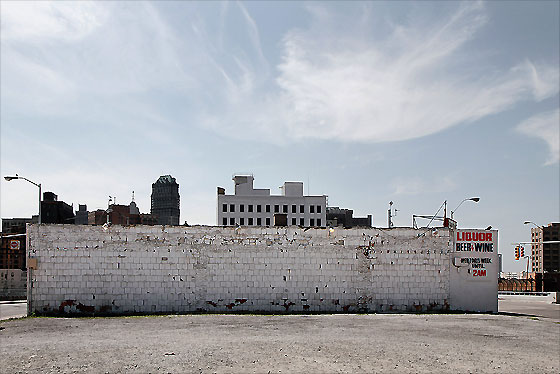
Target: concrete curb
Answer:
pixel 13 302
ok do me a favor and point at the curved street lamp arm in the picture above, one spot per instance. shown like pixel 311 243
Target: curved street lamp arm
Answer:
pixel 534 224
pixel 30 181
pixel 8 178
pixel 454 210
pixel 475 199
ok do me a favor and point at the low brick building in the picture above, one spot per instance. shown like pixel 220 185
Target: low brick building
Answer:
pixel 12 251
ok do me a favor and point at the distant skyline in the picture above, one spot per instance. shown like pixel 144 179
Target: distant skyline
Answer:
pixel 366 102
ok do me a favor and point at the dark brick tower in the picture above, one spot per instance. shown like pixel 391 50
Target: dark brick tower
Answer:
pixel 165 200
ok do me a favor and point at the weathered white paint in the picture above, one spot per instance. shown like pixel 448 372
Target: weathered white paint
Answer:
pixel 475 270
pixel 145 269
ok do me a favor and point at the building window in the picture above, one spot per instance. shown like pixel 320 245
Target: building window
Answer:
pixel 250 208
pixel 276 208
pixel 302 208
pixel 285 210
pixel 311 221
pixel 312 209
pixel 241 207
pixel 268 208
pixel 241 221
pixel 250 221
pixel 258 208
pixel 224 221
pixel 259 221
pixel 319 222
pixel 318 209
pixel 224 207
pixel 294 221
pixel 232 221
pixel 268 221
pixel 301 221
pixel 232 208
pixel 294 208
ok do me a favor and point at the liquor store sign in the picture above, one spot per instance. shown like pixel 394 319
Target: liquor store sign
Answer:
pixel 477 249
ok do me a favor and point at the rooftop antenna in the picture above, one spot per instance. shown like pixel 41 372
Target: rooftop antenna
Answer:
pixel 109 210
pixel 390 214
pixel 132 196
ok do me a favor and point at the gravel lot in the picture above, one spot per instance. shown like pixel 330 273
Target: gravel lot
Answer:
pixel 282 344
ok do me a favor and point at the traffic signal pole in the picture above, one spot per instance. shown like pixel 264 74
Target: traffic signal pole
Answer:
pixel 520 253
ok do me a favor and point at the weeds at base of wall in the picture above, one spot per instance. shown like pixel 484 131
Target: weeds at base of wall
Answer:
pixel 13 319
pixel 242 313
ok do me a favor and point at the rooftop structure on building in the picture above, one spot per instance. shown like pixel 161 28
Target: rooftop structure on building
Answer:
pixel 345 218
pixel 257 207
pixel 118 214
pixel 55 211
pixel 81 215
pixel 165 200
pixel 16 225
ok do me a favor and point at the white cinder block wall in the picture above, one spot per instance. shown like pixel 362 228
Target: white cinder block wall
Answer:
pixel 145 269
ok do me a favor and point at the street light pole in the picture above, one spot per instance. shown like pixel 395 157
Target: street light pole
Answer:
pixel 39 220
pixel 475 199
pixel 10 178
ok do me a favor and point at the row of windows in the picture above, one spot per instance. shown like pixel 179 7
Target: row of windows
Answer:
pixel 267 222
pixel 267 207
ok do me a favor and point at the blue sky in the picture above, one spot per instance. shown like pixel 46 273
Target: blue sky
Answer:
pixel 366 102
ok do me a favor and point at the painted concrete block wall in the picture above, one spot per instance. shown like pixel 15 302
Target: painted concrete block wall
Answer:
pixel 13 284
pixel 145 269
pixel 475 270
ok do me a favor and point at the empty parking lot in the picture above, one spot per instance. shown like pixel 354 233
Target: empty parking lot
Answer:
pixel 282 343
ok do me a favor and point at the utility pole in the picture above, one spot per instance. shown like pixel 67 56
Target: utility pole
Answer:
pixel 390 215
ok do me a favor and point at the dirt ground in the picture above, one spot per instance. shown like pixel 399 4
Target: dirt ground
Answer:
pixel 282 344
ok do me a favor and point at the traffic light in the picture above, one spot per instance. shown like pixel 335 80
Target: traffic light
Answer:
pixel 517 252
pixel 522 252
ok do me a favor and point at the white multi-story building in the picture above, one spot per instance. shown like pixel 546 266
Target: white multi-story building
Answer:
pixel 257 207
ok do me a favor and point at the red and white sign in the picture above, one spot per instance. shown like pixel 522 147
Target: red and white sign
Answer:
pixel 474 241
pixel 14 244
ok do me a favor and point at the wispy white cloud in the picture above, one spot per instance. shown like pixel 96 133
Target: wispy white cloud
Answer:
pixel 350 84
pixel 254 34
pixel 40 21
pixel 346 87
pixel 544 79
pixel 63 52
pixel 545 126
pixel 420 186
